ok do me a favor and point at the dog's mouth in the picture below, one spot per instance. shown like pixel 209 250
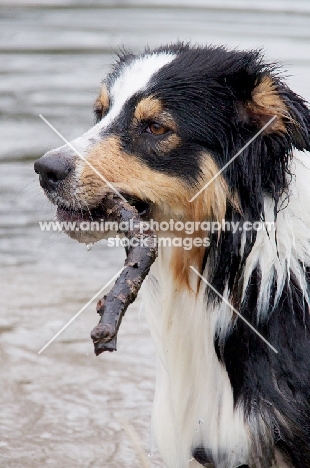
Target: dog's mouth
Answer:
pixel 99 213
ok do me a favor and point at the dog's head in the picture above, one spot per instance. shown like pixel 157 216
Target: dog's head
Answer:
pixel 167 122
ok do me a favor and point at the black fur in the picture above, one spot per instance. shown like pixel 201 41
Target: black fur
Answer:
pixel 207 90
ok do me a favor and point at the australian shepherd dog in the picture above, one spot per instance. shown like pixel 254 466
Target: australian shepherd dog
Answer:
pixel 206 134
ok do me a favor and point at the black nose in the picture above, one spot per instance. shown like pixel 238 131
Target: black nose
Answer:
pixel 52 168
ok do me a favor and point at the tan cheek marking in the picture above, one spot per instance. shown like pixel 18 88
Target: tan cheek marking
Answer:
pixel 180 264
pixel 210 205
pixel 129 174
pixel 170 143
pixel 170 195
pixel 267 102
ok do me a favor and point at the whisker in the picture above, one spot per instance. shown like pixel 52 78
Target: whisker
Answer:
pixel 20 191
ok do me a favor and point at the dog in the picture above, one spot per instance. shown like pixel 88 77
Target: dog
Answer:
pixel 209 134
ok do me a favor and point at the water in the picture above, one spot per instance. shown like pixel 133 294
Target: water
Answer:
pixel 63 407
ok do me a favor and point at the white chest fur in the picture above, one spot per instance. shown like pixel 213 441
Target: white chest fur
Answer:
pixel 193 404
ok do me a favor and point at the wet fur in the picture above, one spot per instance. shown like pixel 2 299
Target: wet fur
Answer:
pixel 223 397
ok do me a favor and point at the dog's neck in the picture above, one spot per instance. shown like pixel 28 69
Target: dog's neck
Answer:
pixel 195 339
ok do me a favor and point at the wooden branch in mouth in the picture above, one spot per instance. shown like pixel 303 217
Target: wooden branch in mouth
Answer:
pixel 140 258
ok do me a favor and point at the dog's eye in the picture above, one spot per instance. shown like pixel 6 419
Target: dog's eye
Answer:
pixel 98 112
pixel 156 129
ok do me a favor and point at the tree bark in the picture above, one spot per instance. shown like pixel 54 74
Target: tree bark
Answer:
pixel 141 254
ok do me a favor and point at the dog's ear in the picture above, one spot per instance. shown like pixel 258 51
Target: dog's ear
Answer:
pixel 263 166
pixel 270 97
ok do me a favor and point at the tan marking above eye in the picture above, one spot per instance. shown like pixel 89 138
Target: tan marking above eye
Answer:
pixel 152 111
pixel 104 97
pixel 102 102
pixel 148 108
pixel 98 107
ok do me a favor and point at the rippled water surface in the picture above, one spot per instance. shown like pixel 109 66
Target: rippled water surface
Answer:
pixel 64 408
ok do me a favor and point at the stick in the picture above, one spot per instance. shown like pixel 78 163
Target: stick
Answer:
pixel 140 257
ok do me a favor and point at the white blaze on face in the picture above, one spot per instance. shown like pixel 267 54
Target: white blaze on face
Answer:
pixel 133 78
